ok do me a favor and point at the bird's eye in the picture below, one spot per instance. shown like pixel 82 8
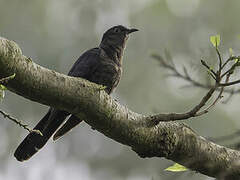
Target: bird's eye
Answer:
pixel 116 30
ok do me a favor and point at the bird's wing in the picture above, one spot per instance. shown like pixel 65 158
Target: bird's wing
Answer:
pixel 83 67
pixel 86 64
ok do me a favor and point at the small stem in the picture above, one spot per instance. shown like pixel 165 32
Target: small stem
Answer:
pixel 24 126
pixel 229 71
pixel 230 83
pixel 220 61
pixel 189 79
pixel 217 99
pixel 6 79
pixel 210 69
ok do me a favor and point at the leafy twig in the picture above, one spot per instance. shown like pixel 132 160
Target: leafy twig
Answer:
pixel 195 83
pixel 217 76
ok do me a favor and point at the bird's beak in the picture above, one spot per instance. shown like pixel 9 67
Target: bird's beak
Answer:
pixel 131 30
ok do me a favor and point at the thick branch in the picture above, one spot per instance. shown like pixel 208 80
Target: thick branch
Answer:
pixel 175 141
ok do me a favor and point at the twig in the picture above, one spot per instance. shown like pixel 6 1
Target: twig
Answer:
pixel 220 61
pixel 217 76
pixel 230 83
pixel 155 119
pixel 209 69
pixel 230 59
pixel 230 70
pixel 216 100
pixel 5 115
pixel 24 126
pixel 195 83
pixel 6 79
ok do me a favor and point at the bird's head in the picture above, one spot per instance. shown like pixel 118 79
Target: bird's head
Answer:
pixel 116 37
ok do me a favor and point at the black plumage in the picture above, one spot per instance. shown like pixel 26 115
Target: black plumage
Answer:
pixel 101 65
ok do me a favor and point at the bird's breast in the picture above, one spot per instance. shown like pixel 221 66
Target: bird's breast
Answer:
pixel 108 73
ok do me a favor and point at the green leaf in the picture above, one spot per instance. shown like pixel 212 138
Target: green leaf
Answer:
pixel 12 76
pixel 2 94
pixel 231 52
pixel 176 168
pixel 237 62
pixel 2 91
pixel 215 40
pixel 2 87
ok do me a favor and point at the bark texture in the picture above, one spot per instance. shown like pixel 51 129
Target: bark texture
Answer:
pixel 171 140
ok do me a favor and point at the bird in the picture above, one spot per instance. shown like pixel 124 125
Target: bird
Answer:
pixel 101 65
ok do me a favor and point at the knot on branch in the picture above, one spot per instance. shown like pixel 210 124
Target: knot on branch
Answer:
pixel 9 48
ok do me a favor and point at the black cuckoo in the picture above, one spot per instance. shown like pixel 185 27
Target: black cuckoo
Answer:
pixel 101 65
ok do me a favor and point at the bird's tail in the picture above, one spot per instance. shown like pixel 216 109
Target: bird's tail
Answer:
pixel 68 126
pixel 33 142
pixel 29 146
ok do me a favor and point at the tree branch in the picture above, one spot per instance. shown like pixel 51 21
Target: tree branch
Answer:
pixel 169 65
pixel 175 141
pixel 24 126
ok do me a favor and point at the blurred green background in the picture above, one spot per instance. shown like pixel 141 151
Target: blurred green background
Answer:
pixel 55 32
